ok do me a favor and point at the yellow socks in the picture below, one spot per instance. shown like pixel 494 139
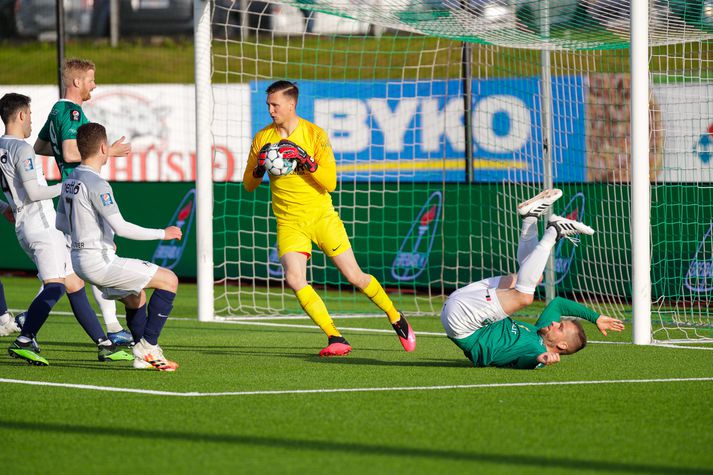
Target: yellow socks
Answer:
pixel 376 293
pixel 317 311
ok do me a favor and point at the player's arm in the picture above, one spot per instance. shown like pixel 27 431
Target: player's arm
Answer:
pixel 30 170
pixel 105 204
pixel 43 147
pixel 134 232
pixel 42 144
pixel 119 148
pixel 561 306
pixel 326 174
pixel 70 151
pixel 322 166
pixel 254 171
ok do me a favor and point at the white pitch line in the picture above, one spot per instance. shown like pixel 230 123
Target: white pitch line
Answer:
pixel 346 390
pixel 260 321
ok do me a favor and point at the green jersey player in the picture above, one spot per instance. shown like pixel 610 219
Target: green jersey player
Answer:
pixel 477 317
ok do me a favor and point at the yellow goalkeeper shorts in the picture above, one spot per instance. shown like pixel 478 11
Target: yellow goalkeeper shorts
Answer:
pixel 325 230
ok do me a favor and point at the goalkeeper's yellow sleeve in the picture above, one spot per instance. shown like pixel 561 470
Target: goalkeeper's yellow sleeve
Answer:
pixel 326 173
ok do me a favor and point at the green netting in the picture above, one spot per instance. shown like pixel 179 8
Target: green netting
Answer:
pixel 530 24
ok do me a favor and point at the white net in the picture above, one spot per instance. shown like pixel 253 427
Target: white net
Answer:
pixel 385 79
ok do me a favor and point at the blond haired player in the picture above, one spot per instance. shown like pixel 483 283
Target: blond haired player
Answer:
pixel 303 207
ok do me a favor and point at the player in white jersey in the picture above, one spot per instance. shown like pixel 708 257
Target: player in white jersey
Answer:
pixel 30 199
pixel 88 212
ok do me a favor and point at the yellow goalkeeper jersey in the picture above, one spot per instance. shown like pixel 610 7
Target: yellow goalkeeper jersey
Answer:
pixel 301 193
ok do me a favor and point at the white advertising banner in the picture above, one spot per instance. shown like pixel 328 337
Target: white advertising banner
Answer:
pixel 687 116
pixel 159 121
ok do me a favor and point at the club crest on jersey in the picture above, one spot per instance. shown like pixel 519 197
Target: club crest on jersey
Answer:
pixel 74 114
pixel 106 199
pixel 28 165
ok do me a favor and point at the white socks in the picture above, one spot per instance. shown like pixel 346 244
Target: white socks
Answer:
pixel 108 310
pixel 528 239
pixel 534 265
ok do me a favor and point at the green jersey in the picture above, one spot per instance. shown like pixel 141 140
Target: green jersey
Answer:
pixel 510 343
pixel 62 124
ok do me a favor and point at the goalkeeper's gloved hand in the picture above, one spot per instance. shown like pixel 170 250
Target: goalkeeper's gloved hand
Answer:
pixel 260 169
pixel 292 151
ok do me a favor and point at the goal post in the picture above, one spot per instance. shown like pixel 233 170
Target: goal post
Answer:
pixel 204 160
pixel 608 102
pixel 640 184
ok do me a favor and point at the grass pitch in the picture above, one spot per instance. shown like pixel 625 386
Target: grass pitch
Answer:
pixel 250 398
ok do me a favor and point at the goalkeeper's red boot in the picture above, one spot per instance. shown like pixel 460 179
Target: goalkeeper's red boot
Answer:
pixel 338 346
pixel 405 333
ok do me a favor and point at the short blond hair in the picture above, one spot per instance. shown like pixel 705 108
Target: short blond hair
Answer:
pixel 74 68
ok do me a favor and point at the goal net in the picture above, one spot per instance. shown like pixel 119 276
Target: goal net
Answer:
pixel 430 205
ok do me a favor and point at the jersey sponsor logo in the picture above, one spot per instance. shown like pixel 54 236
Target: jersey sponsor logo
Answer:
pixel 74 115
pixel 565 250
pixel 106 199
pixel 274 266
pixel 699 277
pixel 412 257
pixel 169 253
pixel 71 187
pixel 28 165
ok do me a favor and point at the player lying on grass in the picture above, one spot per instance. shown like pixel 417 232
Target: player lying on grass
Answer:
pixel 58 137
pixel 30 198
pixel 89 214
pixel 303 207
pixel 476 317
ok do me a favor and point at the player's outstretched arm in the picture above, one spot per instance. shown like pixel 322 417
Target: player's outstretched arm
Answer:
pixel 172 232
pixel 605 324
pixel 119 148
pixel 132 231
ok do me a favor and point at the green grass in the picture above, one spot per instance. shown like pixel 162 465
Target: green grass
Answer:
pixel 402 57
pixel 655 427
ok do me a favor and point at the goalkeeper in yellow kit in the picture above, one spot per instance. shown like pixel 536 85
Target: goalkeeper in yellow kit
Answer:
pixel 305 214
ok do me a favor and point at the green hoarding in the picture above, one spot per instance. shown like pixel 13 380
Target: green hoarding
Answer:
pixel 426 235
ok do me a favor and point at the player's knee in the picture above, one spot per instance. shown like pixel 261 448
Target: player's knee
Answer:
pixel 73 283
pixel 170 280
pixel 525 299
pixel 295 280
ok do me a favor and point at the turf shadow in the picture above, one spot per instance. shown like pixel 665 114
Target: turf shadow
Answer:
pixel 352 360
pixel 332 447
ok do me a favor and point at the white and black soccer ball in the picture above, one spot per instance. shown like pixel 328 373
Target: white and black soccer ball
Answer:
pixel 275 164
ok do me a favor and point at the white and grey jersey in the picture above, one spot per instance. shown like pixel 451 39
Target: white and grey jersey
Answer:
pixel 84 205
pixel 19 165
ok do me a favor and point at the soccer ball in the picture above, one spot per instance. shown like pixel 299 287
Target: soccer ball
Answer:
pixel 275 164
